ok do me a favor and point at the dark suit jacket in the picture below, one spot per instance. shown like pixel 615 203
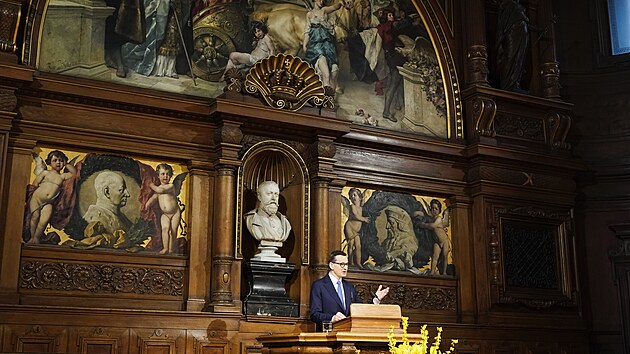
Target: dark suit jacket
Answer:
pixel 325 302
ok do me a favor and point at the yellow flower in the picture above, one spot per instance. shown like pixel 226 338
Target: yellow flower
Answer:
pixel 421 347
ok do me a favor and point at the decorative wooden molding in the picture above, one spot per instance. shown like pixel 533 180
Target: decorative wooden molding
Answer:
pixel 559 125
pixel 100 278
pixel 484 112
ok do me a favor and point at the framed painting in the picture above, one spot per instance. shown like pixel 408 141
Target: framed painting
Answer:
pixel 89 201
pixel 391 231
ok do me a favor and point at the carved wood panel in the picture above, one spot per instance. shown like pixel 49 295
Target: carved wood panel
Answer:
pixel 531 256
pixel 35 339
pixel 99 340
pixel 160 341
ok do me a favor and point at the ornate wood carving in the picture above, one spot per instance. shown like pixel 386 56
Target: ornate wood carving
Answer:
pixel 8 100
pixel 559 125
pixel 416 297
pixel 484 111
pixel 284 82
pixel 550 80
pixel 478 64
pixel 512 125
pixel 228 134
pixel 494 255
pixel 100 278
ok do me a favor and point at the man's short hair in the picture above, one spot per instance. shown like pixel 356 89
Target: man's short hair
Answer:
pixel 334 254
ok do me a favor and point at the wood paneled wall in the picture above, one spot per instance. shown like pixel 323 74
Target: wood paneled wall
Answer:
pixel 509 172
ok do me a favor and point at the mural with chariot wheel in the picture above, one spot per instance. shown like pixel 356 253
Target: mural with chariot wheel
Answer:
pixel 377 56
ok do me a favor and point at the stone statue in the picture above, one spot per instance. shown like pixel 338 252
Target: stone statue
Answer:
pixel 266 224
pixel 512 39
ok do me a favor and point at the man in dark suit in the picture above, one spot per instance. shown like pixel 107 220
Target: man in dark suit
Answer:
pixel 331 296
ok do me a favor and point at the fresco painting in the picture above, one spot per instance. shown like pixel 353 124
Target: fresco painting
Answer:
pixel 89 201
pixel 376 55
pixel 390 231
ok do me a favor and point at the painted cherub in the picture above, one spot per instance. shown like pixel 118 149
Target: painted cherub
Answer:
pixel 437 221
pixel 166 194
pixel 48 186
pixel 353 208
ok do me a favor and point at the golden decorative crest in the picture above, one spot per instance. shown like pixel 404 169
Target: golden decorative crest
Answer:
pixel 287 82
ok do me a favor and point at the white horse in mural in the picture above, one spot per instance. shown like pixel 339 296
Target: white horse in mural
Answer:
pixel 286 22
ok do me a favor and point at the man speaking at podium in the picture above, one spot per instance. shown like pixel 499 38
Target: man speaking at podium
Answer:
pixel 331 296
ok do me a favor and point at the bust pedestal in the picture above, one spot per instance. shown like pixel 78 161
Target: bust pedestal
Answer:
pixel 267 294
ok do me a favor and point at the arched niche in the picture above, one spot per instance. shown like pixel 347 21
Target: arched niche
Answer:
pixel 276 161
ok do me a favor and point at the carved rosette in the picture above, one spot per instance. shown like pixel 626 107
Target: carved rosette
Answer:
pixel 324 149
pixel 550 80
pixel 228 134
pixel 101 278
pixel 8 100
pixel 478 65
pixel 287 82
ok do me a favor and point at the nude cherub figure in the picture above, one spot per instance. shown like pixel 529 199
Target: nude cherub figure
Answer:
pixel 441 243
pixel 352 227
pixel 166 196
pixel 263 47
pixel 48 187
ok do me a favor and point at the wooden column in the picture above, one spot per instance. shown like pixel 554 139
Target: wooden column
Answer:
pixel 463 255
pixel 225 278
pixel 223 241
pixel 18 173
pixel 321 163
pixel 477 54
pixel 200 195
pixel 321 233
pixel 549 67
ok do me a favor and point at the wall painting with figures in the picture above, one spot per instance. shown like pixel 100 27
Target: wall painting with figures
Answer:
pixel 107 202
pixel 389 231
pixel 380 58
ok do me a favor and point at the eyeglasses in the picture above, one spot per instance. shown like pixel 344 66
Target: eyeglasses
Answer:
pixel 341 264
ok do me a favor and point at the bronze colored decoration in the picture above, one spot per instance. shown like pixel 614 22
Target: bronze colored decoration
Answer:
pixel 9 27
pixel 287 82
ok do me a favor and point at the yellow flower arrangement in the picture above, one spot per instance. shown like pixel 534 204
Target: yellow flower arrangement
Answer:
pixel 420 347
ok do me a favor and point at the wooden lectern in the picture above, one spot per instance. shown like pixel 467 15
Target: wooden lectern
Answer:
pixel 366 329
pixel 371 318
